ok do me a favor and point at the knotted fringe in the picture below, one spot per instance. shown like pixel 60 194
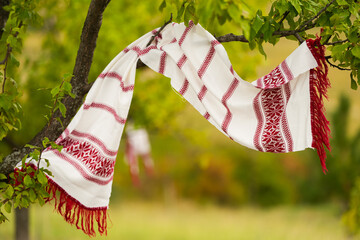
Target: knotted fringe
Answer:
pixel 319 83
pixel 75 213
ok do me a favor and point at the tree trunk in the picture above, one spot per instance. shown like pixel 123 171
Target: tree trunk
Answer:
pixel 22 224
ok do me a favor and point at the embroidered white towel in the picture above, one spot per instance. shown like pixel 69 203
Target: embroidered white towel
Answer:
pixel 280 112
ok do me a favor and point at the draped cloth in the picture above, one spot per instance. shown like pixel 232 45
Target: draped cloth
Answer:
pixel 279 112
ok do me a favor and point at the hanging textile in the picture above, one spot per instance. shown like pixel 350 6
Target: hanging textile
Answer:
pixel 138 146
pixel 280 112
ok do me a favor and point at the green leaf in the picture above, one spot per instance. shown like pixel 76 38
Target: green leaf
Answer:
pixel 233 11
pixel 342 2
pixel 67 87
pixel 180 13
pixel 261 49
pixel 62 109
pixel 9 192
pixel 28 181
pixel 257 24
pixel 32 195
pixel 24 202
pixel 45 142
pixel 56 146
pixel 162 5
pixel 8 207
pixel 2 176
pixel 356 51
pixel 42 178
pixel 354 86
pixel 189 13
pixel 41 200
pixel 353 36
pixel 296 4
pixel 55 91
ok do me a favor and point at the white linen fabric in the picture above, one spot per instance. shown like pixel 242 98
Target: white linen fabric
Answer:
pixel 272 114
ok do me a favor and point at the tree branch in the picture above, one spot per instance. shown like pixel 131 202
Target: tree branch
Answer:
pixel 81 70
pixel 327 58
pixel 337 42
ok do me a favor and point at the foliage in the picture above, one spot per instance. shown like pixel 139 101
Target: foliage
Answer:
pixel 28 183
pixel 23 187
pixel 21 14
pixel 338 19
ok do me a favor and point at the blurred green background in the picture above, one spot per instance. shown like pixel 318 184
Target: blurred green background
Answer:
pixel 205 186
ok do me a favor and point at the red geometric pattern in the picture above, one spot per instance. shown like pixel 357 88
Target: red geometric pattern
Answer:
pixel 274 79
pixel 272 133
pixel 89 157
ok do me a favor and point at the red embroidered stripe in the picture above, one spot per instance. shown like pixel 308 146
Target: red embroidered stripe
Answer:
pixel 106 108
pixel 181 61
pixel 144 51
pixel 95 140
pixel 117 76
pixel 185 87
pixel 202 93
pixel 207 116
pixel 287 71
pixel 208 59
pixel 187 29
pixel 232 70
pixel 81 170
pixel 224 100
pixel 272 123
pixel 162 63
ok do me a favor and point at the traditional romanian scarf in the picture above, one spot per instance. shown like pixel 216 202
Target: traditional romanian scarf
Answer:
pixel 280 112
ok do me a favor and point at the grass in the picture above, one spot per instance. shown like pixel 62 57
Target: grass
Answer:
pixel 185 221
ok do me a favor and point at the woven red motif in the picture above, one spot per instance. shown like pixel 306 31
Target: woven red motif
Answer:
pixel 271 80
pixel 89 156
pixel 273 109
pixel 272 133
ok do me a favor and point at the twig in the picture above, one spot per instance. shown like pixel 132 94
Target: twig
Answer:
pixel 232 37
pixel 158 32
pixel 6 63
pixel 284 16
pixel 316 16
pixel 299 38
pixel 337 42
pixel 335 66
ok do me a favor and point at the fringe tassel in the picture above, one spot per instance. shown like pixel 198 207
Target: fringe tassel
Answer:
pixel 319 83
pixel 77 214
